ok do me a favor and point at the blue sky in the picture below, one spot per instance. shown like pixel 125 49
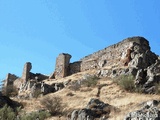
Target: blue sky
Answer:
pixel 38 30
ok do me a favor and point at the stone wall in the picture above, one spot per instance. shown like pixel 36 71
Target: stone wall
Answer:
pixel 38 76
pixel 62 65
pixel 121 54
pixel 75 67
pixel 10 78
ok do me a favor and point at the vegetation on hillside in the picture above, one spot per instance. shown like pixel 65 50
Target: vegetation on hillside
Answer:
pixel 126 82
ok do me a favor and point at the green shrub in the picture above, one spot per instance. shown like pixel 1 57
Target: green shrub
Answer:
pixel 125 82
pixel 90 81
pixel 53 104
pixel 139 89
pixel 7 113
pixel 157 88
pixel 35 115
pixel 75 87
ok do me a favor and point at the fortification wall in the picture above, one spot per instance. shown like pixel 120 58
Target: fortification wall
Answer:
pixel 10 78
pixel 112 55
pixel 74 67
pixel 115 55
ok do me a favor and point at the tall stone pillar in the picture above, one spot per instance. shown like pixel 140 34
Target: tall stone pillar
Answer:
pixel 62 65
pixel 26 72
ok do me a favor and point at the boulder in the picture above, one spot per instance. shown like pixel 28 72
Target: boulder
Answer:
pixel 149 111
pixel 94 109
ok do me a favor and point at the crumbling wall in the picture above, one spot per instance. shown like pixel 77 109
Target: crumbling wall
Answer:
pixel 62 65
pixel 10 78
pixel 121 54
pixel 74 67
pixel 110 56
pixel 38 76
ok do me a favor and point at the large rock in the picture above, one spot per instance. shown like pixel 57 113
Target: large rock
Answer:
pixel 95 109
pixel 149 111
pixel 141 56
pixel 148 78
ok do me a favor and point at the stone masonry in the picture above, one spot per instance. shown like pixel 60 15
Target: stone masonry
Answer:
pixel 10 78
pixel 62 65
pixel 119 54
pixel 26 71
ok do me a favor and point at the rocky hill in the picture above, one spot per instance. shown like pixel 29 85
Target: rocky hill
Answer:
pixel 90 88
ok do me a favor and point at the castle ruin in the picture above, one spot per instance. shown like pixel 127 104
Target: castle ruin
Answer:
pixel 131 52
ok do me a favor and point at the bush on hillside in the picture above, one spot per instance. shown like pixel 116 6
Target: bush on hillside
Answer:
pixel 42 115
pixel 53 104
pixel 157 88
pixel 90 81
pixel 7 113
pixel 125 82
pixel 75 86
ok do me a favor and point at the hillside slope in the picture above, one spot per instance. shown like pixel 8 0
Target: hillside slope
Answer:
pixel 123 101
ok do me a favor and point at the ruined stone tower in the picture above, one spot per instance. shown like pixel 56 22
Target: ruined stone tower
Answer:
pixel 26 71
pixel 62 65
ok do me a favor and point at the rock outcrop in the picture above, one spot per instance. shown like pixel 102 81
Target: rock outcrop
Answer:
pixel 94 109
pixel 149 111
